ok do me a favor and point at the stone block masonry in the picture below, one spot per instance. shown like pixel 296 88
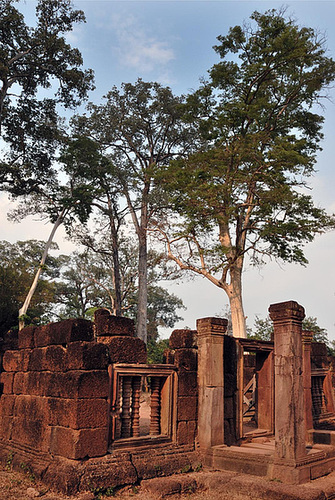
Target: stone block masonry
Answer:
pixel 55 404
pixel 55 390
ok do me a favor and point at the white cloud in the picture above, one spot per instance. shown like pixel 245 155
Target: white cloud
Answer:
pixel 136 48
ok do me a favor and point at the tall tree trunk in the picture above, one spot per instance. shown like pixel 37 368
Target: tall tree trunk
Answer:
pixel 234 292
pixel 142 287
pixel 33 287
pixel 117 306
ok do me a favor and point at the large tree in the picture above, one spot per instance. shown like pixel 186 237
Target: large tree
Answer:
pixel 18 264
pixel 244 193
pixel 95 174
pixel 33 58
pixel 140 128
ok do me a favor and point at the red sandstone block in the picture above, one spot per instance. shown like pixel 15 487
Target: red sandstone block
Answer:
pixel 186 432
pixel 187 383
pixel 107 325
pixel 55 358
pixel 38 382
pixel 12 361
pixel 87 356
pixel 77 444
pixel 7 405
pixel 78 384
pixel 20 383
pixel 125 349
pixel 26 337
pixel 30 432
pixel 183 338
pixel 64 332
pixel 6 425
pixel 6 382
pixel 32 408
pixel 37 360
pixel 78 413
pixel 187 408
pixel 186 359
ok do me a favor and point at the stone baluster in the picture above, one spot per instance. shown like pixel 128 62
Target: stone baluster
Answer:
pixel 155 407
pixel 117 430
pixel 126 417
pixel 135 407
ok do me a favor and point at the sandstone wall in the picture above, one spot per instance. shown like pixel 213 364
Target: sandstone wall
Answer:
pixel 54 391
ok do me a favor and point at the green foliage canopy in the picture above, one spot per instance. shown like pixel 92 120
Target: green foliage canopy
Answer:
pixel 33 58
pixel 244 192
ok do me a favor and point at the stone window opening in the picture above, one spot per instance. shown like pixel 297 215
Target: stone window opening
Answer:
pixel 142 405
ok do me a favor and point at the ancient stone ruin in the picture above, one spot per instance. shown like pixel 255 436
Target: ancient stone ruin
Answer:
pixel 80 405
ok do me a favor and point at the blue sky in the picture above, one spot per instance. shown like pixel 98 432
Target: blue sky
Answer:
pixel 171 42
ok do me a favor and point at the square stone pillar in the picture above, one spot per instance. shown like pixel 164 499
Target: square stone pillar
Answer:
pixel 211 333
pixel 307 373
pixel 290 430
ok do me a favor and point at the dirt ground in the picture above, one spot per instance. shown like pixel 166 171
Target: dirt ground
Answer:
pixel 23 486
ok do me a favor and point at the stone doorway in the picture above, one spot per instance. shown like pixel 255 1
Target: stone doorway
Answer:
pixel 256 389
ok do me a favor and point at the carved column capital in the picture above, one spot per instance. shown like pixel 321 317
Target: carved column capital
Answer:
pixel 286 311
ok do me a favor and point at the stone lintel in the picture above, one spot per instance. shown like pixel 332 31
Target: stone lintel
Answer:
pixel 286 311
pixel 212 326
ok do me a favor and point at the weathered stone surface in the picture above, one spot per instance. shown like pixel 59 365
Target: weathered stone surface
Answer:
pixel 87 356
pixel 290 310
pixel 50 358
pixel 31 432
pixel 108 472
pixel 186 359
pixel 125 349
pixel 186 432
pixel 78 413
pixel 56 358
pixel 187 383
pixel 37 359
pixel 78 384
pixel 211 326
pixel 63 476
pixel 183 338
pixel 6 425
pixel 290 430
pixel 7 405
pixel 211 381
pixel 32 407
pixel 77 444
pixel 6 383
pixel 187 408
pixel 26 337
pixel 151 463
pixel 107 325
pixel 64 332
pixel 164 487
pixel 12 361
pixel 19 382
